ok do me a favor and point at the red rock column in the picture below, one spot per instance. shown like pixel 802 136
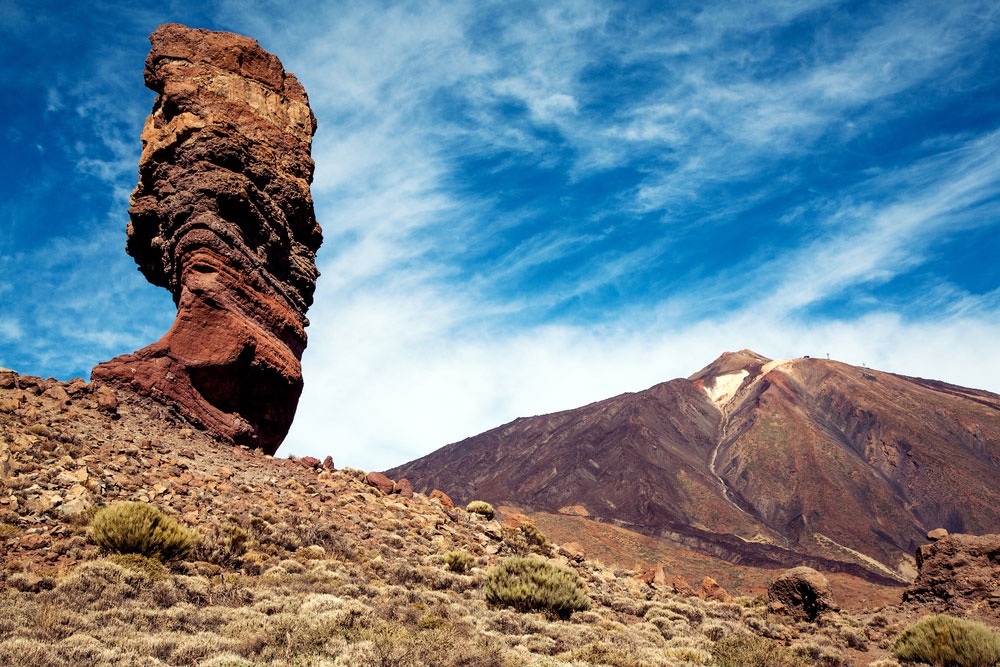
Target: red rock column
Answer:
pixel 223 218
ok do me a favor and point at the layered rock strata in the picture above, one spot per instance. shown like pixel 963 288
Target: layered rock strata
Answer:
pixel 222 217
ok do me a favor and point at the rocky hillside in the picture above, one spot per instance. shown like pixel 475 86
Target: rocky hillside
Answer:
pixel 756 461
pixel 297 563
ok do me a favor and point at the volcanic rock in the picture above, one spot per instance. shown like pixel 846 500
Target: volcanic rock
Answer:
pixel 223 218
pixel 959 573
pixel 380 482
pixel 441 497
pixel 403 488
pixel 681 586
pixel 711 590
pixel 801 591
pixel 937 534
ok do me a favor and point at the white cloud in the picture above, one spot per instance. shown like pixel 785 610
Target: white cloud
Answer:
pixel 391 378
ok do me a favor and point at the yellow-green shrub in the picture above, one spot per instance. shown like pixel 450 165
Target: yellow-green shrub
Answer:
pixel 459 561
pixel 140 528
pixel 949 642
pixel 532 584
pixel 480 507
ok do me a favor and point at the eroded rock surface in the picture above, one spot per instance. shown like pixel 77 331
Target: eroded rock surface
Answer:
pixel 223 218
pixel 959 573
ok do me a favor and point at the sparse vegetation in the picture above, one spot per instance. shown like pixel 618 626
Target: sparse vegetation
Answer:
pixel 949 642
pixel 299 567
pixel 140 528
pixel 480 507
pixel 533 584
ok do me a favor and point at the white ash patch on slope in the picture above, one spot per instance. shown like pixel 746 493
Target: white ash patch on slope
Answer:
pixel 724 387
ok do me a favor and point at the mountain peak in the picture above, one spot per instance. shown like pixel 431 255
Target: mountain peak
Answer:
pixel 731 362
pixel 753 459
pixel 722 378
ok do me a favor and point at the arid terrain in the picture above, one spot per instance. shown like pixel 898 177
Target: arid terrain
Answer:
pixel 300 564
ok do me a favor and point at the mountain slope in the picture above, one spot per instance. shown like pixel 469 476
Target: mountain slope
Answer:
pixel 754 460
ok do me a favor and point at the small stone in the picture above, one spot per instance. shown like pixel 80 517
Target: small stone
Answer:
pixel 937 534
pixel 328 464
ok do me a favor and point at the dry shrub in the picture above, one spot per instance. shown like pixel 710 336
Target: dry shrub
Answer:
pixel 81 649
pixel 949 642
pixel 226 660
pixel 151 567
pixel 532 584
pixel 820 651
pixel 27 653
pixel 140 528
pixel 536 539
pixel 753 651
pixel 100 585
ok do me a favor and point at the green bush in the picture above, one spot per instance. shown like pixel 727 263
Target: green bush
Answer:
pixel 459 561
pixel 480 507
pixel 532 584
pixel 140 528
pixel 740 650
pixel 949 642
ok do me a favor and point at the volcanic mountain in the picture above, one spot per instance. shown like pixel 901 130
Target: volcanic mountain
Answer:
pixel 759 461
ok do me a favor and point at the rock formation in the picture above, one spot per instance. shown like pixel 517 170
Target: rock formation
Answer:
pixel 223 218
pixel 959 573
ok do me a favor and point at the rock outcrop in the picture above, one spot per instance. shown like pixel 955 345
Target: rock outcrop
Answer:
pixel 959 573
pixel 223 218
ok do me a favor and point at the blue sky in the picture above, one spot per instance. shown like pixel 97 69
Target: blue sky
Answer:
pixel 531 206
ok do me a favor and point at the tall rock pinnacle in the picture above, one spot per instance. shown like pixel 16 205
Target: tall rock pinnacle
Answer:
pixel 223 218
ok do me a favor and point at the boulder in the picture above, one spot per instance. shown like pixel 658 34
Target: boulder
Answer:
pixel 403 488
pixel 711 590
pixel 223 218
pixel 801 592
pixel 937 534
pixel 380 482
pixel 442 498
pixel 682 587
